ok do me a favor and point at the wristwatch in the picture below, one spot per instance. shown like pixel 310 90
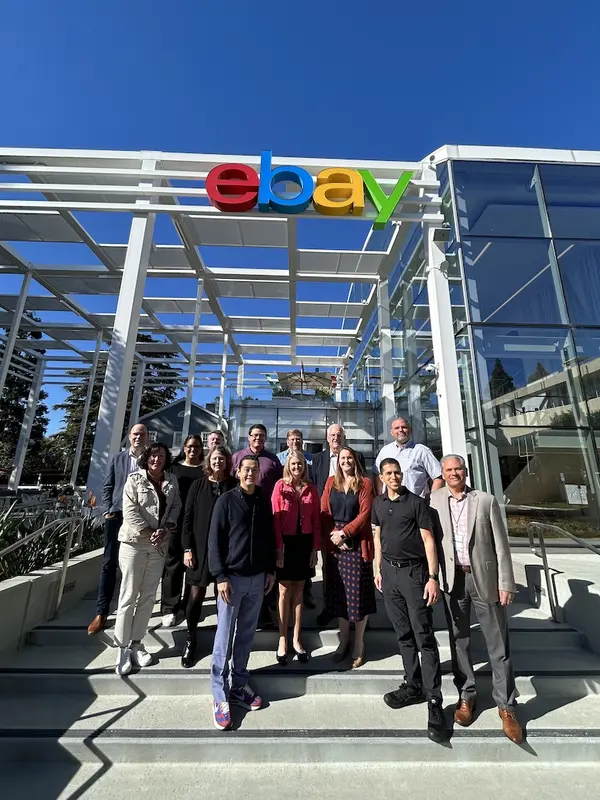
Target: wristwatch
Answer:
pixel 434 577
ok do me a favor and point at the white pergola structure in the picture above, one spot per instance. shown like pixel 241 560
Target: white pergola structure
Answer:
pixel 235 268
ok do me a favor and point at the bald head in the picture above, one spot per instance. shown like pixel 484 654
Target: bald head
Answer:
pixel 335 438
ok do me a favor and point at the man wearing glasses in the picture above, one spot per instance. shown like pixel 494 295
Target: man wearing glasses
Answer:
pixel 269 465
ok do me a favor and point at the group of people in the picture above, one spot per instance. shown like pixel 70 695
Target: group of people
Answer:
pixel 254 524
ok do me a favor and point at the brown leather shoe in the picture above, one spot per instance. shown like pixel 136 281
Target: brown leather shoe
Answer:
pixel 463 714
pixel 97 624
pixel 510 725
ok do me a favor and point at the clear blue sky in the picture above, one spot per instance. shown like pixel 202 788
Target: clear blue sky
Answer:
pixel 383 80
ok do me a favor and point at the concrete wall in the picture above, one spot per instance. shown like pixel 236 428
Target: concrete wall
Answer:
pixel 29 600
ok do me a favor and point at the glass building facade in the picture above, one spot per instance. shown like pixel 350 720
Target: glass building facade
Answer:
pixel 523 262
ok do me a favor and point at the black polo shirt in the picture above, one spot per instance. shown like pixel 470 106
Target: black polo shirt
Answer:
pixel 400 521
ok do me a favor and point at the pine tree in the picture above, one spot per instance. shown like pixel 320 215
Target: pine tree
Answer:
pixel 501 382
pixel 12 411
pixel 539 372
pixel 153 398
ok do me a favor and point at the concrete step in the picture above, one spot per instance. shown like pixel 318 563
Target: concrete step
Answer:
pixel 271 683
pixel 96 781
pixel 381 654
pixel 555 637
pixel 69 713
pixel 371 745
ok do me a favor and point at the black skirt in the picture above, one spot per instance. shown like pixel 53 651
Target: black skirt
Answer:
pixel 296 557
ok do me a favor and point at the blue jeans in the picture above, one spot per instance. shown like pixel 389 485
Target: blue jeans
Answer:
pixel 108 574
pixel 234 641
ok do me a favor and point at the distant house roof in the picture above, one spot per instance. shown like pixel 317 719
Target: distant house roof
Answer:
pixel 180 402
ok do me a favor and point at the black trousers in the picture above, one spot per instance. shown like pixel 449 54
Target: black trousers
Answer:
pixel 110 564
pixel 171 601
pixel 412 621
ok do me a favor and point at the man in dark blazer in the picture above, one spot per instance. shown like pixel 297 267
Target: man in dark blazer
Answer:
pixel 324 465
pixel 325 462
pixel 477 572
pixel 121 466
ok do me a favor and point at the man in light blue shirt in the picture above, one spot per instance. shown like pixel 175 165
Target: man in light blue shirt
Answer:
pixel 295 443
pixel 418 464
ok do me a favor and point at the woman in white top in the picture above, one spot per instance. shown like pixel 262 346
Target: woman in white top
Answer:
pixel 151 506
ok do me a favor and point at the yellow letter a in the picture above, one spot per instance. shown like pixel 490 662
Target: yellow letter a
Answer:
pixel 339 191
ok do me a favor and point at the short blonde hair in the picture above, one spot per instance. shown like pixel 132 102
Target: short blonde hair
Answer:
pixel 287 475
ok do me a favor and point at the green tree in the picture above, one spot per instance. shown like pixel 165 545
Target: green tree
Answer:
pixel 538 373
pixel 153 398
pixel 12 411
pixel 501 382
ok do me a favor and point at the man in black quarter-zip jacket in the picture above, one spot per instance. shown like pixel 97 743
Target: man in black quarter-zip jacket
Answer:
pixel 241 556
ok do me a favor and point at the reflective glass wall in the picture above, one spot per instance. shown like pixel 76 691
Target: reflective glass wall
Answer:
pixel 527 246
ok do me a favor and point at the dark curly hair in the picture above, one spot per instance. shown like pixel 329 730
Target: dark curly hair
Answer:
pixel 193 437
pixel 152 448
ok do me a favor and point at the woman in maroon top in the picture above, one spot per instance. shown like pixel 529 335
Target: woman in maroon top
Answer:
pixel 297 520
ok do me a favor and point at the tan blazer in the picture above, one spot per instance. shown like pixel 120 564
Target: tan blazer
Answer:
pixel 489 551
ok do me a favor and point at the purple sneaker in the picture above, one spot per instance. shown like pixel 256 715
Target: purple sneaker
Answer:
pixel 221 716
pixel 246 698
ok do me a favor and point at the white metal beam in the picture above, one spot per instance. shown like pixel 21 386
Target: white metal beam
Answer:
pixel 13 333
pixel 27 426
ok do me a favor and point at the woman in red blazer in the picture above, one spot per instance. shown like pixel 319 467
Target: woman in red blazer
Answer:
pixel 297 518
pixel 346 522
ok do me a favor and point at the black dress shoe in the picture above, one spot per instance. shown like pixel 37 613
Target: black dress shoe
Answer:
pixel 188 656
pixel 282 660
pixel 437 730
pixel 301 655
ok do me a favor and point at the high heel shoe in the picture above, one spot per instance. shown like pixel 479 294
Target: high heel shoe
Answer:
pixel 301 655
pixel 281 660
pixel 359 660
pixel 340 654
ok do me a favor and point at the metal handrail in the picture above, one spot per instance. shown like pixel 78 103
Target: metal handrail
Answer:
pixel 72 523
pixel 538 528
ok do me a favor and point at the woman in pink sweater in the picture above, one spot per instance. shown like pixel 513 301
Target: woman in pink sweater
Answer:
pixel 297 516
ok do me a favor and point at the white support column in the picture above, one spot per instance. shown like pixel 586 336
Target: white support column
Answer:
pixel 113 405
pixel 187 412
pixel 411 366
pixel 86 410
pixel 223 376
pixel 138 391
pixel 27 425
pixel 13 335
pixel 240 381
pixel 452 424
pixel 388 402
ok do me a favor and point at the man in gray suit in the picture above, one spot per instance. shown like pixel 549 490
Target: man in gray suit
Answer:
pixel 477 572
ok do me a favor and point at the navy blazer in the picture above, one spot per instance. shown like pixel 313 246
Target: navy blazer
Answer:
pixel 114 483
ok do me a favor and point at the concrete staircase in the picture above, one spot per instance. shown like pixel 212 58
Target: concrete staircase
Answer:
pixel 72 728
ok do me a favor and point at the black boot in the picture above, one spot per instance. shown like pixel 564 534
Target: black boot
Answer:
pixel 189 652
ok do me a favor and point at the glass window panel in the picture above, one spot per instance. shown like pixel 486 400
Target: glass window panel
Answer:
pixel 573 200
pixel 579 263
pixel 510 280
pixel 496 199
pixel 528 377
pixel 544 475
pixel 587 345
